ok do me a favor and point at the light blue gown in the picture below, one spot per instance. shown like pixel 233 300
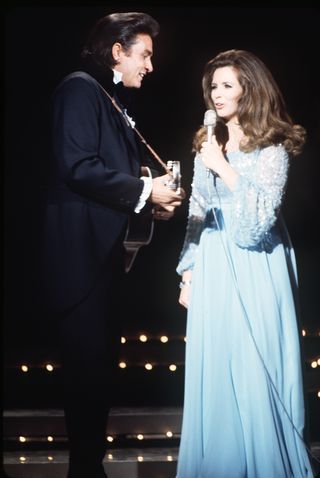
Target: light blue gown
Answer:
pixel 243 411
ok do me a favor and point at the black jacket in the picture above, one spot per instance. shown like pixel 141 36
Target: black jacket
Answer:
pixel 95 186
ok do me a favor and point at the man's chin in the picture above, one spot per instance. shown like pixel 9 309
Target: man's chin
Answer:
pixel 135 86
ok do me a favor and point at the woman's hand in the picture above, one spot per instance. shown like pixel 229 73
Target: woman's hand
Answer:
pixel 214 159
pixel 212 155
pixel 185 286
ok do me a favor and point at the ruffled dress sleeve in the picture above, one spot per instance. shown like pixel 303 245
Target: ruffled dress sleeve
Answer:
pixel 257 197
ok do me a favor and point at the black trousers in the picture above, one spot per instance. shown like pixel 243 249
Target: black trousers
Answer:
pixel 90 343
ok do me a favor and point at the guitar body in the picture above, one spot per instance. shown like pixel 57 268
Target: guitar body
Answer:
pixel 139 233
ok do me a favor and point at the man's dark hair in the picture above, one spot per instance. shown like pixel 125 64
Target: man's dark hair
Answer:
pixel 117 27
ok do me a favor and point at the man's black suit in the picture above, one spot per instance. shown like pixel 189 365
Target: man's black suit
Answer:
pixel 95 186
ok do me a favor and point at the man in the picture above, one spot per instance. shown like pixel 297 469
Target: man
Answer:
pixel 96 186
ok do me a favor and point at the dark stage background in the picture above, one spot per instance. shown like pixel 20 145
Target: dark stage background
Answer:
pixel 43 44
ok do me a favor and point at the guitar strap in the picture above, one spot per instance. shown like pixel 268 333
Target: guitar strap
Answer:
pixel 142 139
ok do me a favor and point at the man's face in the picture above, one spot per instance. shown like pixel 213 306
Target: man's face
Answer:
pixel 135 63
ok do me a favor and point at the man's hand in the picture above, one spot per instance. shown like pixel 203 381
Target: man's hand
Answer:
pixel 161 214
pixel 163 196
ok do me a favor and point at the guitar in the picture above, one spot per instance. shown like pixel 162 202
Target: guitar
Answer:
pixel 140 226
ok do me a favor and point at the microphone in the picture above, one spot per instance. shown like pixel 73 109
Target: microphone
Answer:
pixel 209 120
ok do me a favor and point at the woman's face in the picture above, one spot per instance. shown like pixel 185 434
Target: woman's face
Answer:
pixel 226 92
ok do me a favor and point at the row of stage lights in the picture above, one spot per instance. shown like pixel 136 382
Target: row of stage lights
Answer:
pixel 109 438
pixel 109 457
pixel 148 366
pixel 145 338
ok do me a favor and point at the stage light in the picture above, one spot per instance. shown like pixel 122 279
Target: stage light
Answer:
pixel 169 434
pixel 50 458
pixel 122 364
pixel 22 439
pixel 50 438
pixel 314 364
pixel 22 459
pixel 123 340
pixel 143 338
pixel 140 436
pixel 318 361
pixel 110 456
pixel 109 439
pixel 164 339
pixel 318 394
pixel 169 458
pixel 24 368
pixel 172 367
pixel 140 458
pixel 304 333
pixel 148 366
pixel 49 367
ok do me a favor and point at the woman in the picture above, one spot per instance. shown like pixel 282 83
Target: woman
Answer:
pixel 244 407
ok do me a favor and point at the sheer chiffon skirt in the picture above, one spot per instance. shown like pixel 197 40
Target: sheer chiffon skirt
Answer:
pixel 243 411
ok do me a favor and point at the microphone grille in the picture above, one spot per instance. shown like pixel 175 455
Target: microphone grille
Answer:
pixel 210 118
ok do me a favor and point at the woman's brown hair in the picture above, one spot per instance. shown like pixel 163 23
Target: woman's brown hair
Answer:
pixel 262 112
